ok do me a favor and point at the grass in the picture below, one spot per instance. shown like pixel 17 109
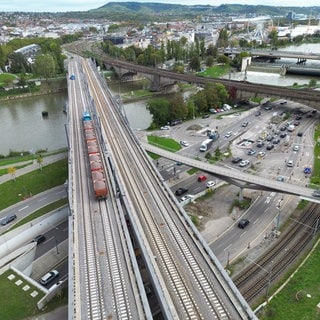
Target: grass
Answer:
pixel 6 78
pixel 215 71
pixel 15 302
pixel 315 179
pixel 32 183
pixel 164 143
pixel 292 302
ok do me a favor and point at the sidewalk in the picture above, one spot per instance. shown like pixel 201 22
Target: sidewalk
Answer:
pixel 31 167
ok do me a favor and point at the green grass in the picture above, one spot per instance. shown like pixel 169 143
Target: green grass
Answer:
pixel 15 302
pixel 164 143
pixel 32 183
pixel 215 71
pixel 292 302
pixel 6 78
pixel 315 179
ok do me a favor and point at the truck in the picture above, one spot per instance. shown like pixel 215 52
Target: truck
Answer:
pixel 205 145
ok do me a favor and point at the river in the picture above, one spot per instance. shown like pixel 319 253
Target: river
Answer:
pixel 24 128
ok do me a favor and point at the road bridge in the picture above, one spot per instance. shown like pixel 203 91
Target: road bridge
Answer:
pixel 239 178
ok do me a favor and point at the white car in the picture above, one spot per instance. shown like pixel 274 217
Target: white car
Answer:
pixel 295 148
pixel 184 143
pixel 244 163
pixel 228 134
pixel 261 154
pixel 184 198
pixel 210 184
pixel 165 128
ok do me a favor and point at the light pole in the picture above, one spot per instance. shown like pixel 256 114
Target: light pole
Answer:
pixel 278 216
pixel 55 239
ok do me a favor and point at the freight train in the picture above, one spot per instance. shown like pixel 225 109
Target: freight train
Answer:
pixel 95 159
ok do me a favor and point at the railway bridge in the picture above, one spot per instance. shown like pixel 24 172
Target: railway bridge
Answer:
pixel 161 78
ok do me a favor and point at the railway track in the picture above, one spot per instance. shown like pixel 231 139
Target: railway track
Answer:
pixel 102 278
pixel 190 284
pixel 258 276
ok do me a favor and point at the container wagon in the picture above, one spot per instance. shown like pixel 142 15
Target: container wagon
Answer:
pixel 94 158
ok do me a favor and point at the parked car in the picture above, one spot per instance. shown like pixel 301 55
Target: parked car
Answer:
pixel 205 116
pixel 261 154
pixel 165 128
pixel 250 152
pixel 299 134
pixel 270 146
pixel 243 223
pixel 8 219
pixel 181 191
pixel 184 143
pixel 295 148
pixel 290 163
pixel 244 163
pixel 236 160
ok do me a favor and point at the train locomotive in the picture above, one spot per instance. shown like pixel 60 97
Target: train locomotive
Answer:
pixel 94 156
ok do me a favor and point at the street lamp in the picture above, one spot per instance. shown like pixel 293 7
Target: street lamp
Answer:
pixel 278 216
pixel 55 239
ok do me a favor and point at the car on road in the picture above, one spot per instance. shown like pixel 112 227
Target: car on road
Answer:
pixel 210 184
pixel 202 178
pixel 295 148
pixel 184 143
pixel 205 116
pixel 165 128
pixel 299 134
pixel 316 193
pixel 244 163
pixel 243 223
pixel 8 219
pixel 40 238
pixel 245 124
pixel 184 198
pixel 181 191
pixel 307 170
pixel 48 277
pixel 261 154
pixel 228 134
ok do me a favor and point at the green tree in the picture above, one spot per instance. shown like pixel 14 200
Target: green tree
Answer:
pixel 18 63
pixel 160 110
pixel 45 66
pixel 312 83
pixel 178 108
pixel 194 63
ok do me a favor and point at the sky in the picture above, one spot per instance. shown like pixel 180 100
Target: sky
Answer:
pixel 84 5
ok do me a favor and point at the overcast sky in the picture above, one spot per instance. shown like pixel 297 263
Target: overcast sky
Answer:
pixel 84 5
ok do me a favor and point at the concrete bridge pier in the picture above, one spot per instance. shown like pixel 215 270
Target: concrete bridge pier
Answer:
pixel 240 194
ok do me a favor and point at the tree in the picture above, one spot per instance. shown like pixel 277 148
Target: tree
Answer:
pixel 194 63
pixel 12 171
pixel 18 63
pixel 178 108
pixel 40 162
pixel 45 66
pixel 159 108
pixel 312 83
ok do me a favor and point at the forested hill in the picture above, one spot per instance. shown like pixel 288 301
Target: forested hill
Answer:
pixel 158 11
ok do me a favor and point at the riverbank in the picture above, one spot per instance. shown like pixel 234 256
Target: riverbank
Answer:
pixel 46 87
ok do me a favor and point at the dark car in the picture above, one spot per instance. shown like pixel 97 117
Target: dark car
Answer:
pixel 40 238
pixel 205 116
pixel 243 223
pixel 316 193
pixel 283 135
pixel 181 191
pixel 260 144
pixel 299 134
pixel 270 146
pixel 8 219
pixel 236 160
pixel 276 141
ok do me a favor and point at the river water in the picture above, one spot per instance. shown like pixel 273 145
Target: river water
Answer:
pixel 24 129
